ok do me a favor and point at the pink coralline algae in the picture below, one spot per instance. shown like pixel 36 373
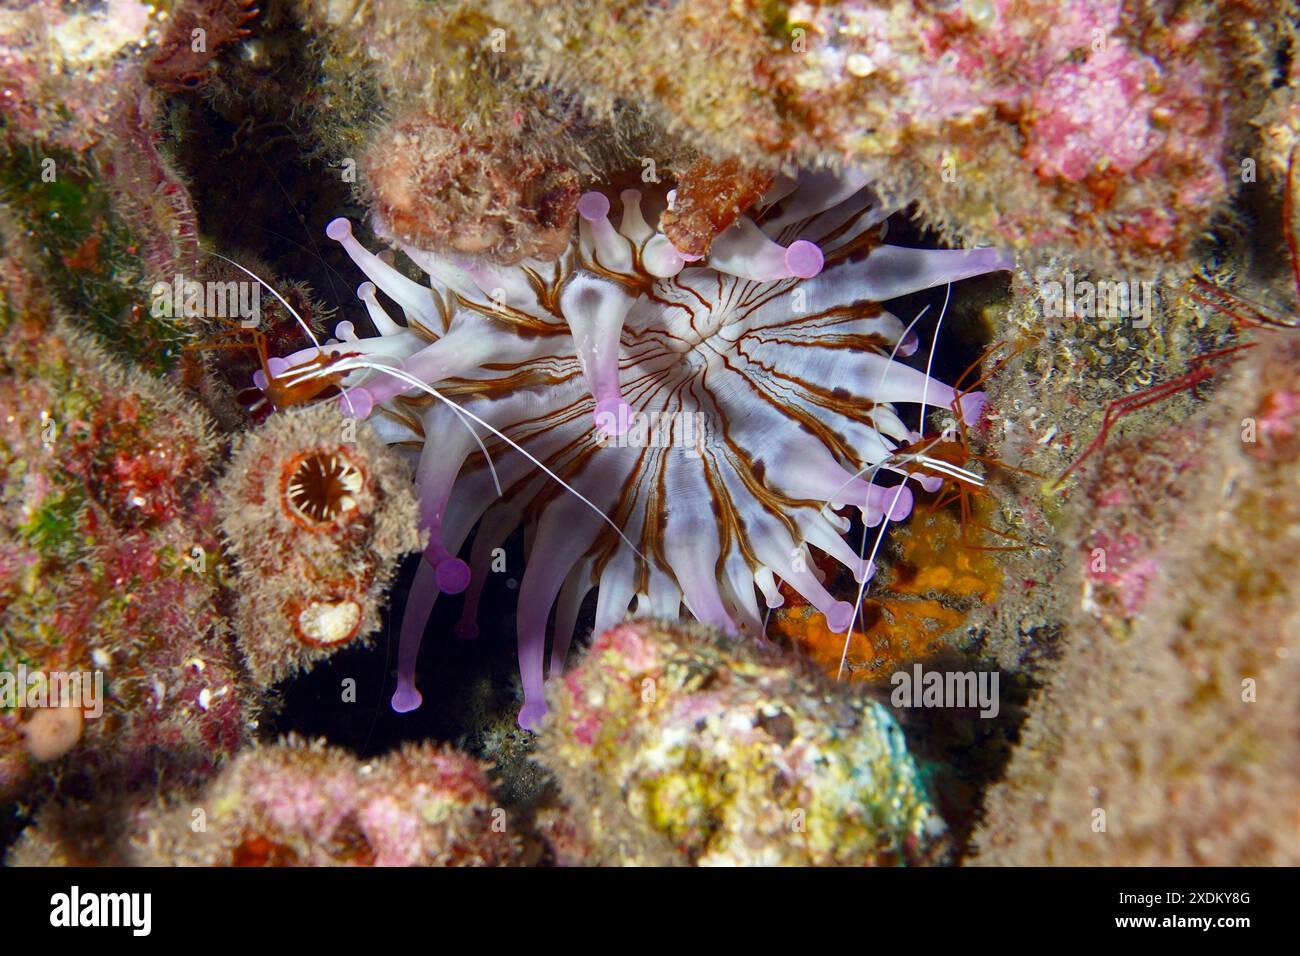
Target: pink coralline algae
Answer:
pixel 1122 556
pixel 66 68
pixel 1095 128
pixel 1126 567
pixel 1076 128
pixel 1273 432
pixel 1093 109
pixel 698 414
pixel 297 803
pixel 306 804
pixel 80 57
pixel 1094 103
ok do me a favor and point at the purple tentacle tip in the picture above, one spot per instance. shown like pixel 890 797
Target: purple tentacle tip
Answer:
pixel 972 406
pixel 840 616
pixel 452 576
pixel 593 206
pixel 406 698
pixel 930 483
pixel 909 343
pixel 531 714
pixel 338 229
pixel 902 504
pixel 804 259
pixel 613 415
pixel 356 403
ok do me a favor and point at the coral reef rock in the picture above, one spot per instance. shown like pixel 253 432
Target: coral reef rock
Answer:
pixel 303 804
pixel 1169 732
pixel 680 746
pixel 108 560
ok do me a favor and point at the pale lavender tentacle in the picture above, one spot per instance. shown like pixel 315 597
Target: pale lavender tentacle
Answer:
pixel 665 389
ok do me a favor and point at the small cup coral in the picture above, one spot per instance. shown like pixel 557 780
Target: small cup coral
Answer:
pixel 316 513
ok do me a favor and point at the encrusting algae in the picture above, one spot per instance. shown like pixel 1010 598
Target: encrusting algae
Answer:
pixel 681 746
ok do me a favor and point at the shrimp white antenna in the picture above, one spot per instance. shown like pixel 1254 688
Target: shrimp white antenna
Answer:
pixel 460 414
pixel 862 585
pixel 929 362
pixel 884 521
pixel 292 311
pixel 404 376
pixel 879 385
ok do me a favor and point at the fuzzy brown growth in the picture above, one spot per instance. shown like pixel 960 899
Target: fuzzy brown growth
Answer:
pixel 438 188
pixel 710 198
pixel 110 563
pixel 321 486
pixel 178 66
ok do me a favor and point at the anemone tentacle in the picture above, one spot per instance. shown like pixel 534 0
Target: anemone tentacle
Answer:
pixel 710 409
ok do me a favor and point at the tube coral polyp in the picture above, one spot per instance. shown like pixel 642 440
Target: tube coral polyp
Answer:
pixel 767 366
pixel 317 514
